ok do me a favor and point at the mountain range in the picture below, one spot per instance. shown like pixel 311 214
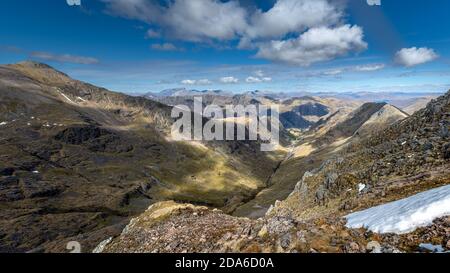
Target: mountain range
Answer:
pixel 82 163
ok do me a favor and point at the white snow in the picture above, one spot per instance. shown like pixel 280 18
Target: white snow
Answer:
pixel 432 248
pixel 361 187
pixel 405 215
pixel 3 123
pixel 66 97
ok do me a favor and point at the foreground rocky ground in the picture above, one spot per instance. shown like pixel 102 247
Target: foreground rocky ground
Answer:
pixel 169 227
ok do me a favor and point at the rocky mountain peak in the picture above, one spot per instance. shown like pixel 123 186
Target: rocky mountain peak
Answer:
pixel 33 64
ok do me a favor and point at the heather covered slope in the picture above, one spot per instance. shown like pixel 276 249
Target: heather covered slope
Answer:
pixel 78 160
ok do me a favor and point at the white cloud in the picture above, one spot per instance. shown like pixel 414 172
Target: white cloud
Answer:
pixel 189 82
pixel 229 80
pixel 252 79
pixel 374 2
pixel 414 56
pixel 333 72
pixel 292 16
pixel 186 19
pixel 345 69
pixel 369 67
pixel 142 10
pixel 204 82
pixel 206 19
pixel 73 2
pixel 196 82
pixel 152 34
pixel 259 73
pixel 64 58
pixel 315 27
pixel 165 47
pixel 315 45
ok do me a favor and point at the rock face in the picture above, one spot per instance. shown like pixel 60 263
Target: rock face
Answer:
pixel 79 135
pixel 95 138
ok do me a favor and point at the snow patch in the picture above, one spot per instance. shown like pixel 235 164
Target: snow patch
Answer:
pixel 405 215
pixel 361 187
pixel 3 123
pixel 432 248
pixel 66 97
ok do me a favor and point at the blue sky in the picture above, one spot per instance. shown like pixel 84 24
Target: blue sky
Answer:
pixel 139 46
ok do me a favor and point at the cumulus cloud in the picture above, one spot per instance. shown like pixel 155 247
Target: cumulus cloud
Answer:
pixel 206 19
pixel 165 47
pixel 229 80
pixel 252 79
pixel 292 16
pixel 196 82
pixel 186 19
pixel 189 82
pixel 65 58
pixel 315 45
pixel 298 32
pixel 414 56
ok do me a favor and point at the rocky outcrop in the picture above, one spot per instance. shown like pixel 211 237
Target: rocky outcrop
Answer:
pixel 95 138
